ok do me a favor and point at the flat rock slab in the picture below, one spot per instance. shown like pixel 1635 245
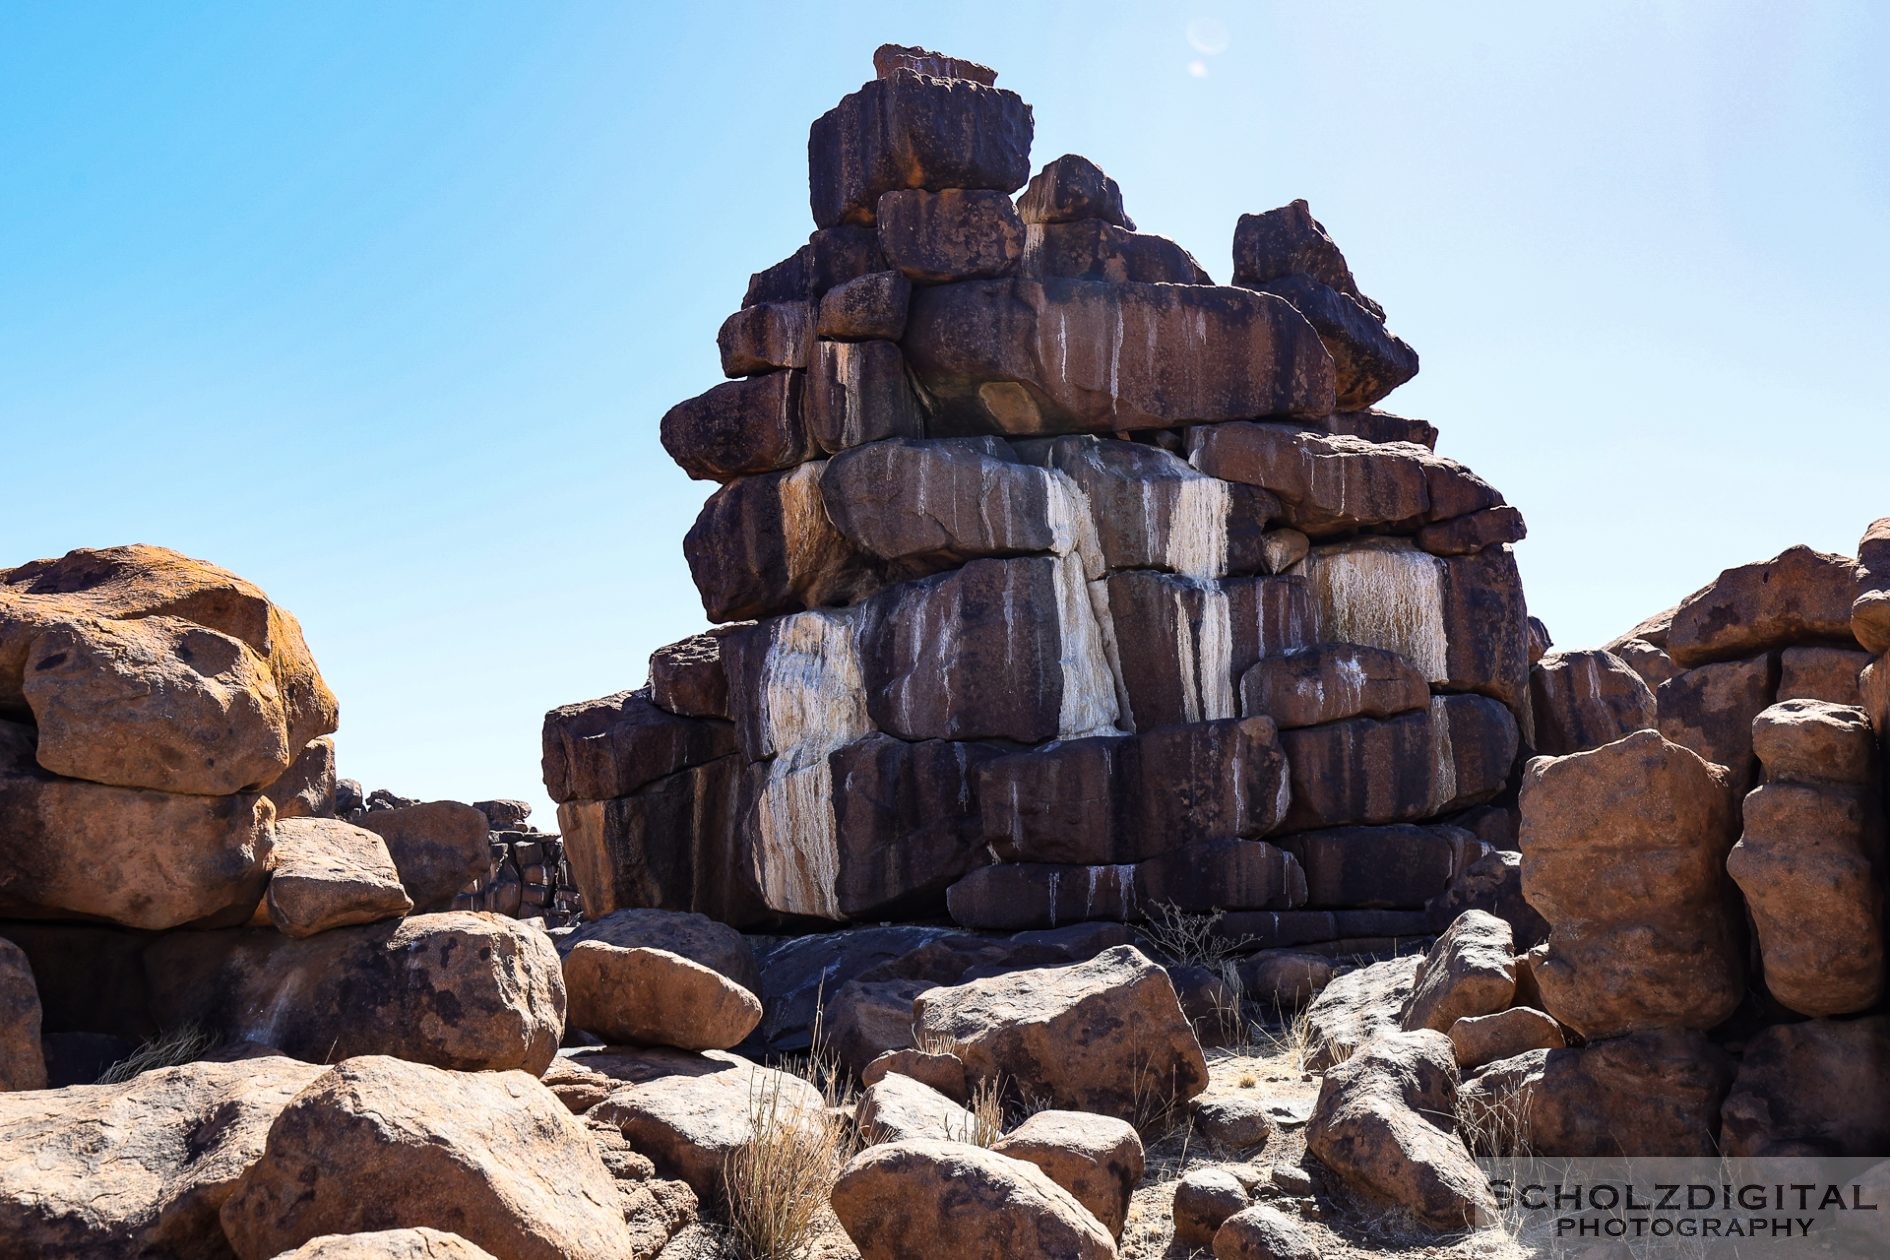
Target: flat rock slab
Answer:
pixel 653 997
pixel 331 874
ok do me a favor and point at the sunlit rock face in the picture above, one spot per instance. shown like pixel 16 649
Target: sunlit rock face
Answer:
pixel 1075 583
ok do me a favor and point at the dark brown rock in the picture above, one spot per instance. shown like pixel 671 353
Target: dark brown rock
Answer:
pixel 1014 895
pixel 1453 754
pixel 871 307
pixel 831 257
pixel 1395 867
pixel 22 1060
pixel 307 788
pixel 766 336
pixel 1151 510
pixel 1204 1198
pixel 1070 189
pixel 1465 535
pixel 1369 360
pixel 954 234
pixel 1470 971
pixel 617 744
pixel 858 392
pixel 1098 1159
pixel 1094 250
pixel 1183 643
pixel 686 677
pixel 1480 1039
pixel 1811 1089
pixel 1357 1006
pixel 1289 241
pixel 439 847
pixel 1710 710
pixel 1327 483
pixel 925 506
pixel 1653 1093
pixel 1798 596
pixel 748 426
pixel 1069 356
pixel 1214 875
pixel 1264 1232
pixel 1330 682
pixel 890 59
pixel 763 546
pixel 1582 700
pixel 909 130
pixel 1114 799
pixel 1376 425
pixel 1624 850
pixel 906 823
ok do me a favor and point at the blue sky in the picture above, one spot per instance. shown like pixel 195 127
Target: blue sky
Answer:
pixel 379 304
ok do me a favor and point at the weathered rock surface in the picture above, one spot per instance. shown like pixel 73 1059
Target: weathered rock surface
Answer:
pixel 899 1109
pixel 871 307
pixel 1357 1006
pixel 766 336
pixel 438 847
pixel 1071 189
pixel 696 937
pixel 653 997
pixel 1099 1036
pixel 763 545
pixel 378 1143
pixel 1816 1088
pixel 953 234
pixel 1330 682
pixel 910 130
pixel 1470 971
pixel 859 392
pixel 1079 356
pixel 1402 866
pixel 1263 1232
pixel 331 874
pixel 139 1168
pixel 613 746
pixel 753 425
pixel 690 1112
pixel 472 992
pixel 1798 596
pixel 1710 709
pixel 307 788
pixel 1656 1092
pixel 1480 1039
pixel 1385 1123
pixel 1582 700
pixel 72 849
pixel 419 1243
pixel 942 1070
pixel 22 1060
pixel 1624 851
pixel 1098 1159
pixel 1205 1198
pixel 950 1199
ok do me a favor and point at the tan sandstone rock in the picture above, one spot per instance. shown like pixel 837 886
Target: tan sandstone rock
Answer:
pixel 439 848
pixel 1624 851
pixel 71 849
pixel 1480 1039
pixel 331 874
pixel 942 1070
pixel 897 1108
pixel 1098 1159
pixel 1385 1123
pixel 908 1199
pixel 1205 1198
pixel 1107 1035
pixel 419 1243
pixel 378 1143
pixel 1357 1006
pixel 654 997
pixel 139 1168
pixel 1263 1232
pixel 696 937
pixel 1471 970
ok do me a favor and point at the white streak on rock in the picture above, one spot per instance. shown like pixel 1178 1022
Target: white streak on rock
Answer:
pixel 1197 527
pixel 1089 685
pixel 1382 594
pixel 1443 757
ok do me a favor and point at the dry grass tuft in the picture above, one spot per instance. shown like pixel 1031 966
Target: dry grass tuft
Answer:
pixel 778 1186
pixel 987 1113
pixel 186 1043
pixel 1191 940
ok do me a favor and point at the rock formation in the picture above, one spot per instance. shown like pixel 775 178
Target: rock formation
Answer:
pixel 1057 580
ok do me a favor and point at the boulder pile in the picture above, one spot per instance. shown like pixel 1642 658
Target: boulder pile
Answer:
pixel 1055 580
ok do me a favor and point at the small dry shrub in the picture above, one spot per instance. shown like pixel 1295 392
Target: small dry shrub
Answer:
pixel 186 1043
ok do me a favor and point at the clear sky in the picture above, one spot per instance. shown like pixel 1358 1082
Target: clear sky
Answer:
pixel 379 304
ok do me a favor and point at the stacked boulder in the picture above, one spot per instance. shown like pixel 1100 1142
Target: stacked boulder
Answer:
pixel 1056 581
pixel 1705 839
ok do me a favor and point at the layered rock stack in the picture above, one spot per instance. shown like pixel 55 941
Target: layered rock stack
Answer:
pixel 1055 579
pixel 1706 843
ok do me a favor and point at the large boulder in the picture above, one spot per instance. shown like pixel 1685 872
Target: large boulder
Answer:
pixel 1098 1159
pixel 218 696
pixel 696 937
pixel 691 1113
pixel 910 130
pixel 953 234
pixel 1385 1123
pixel 1107 1035
pixel 1651 1093
pixel 1071 189
pixel 764 545
pixel 1331 682
pixel 1624 850
pixel 378 1143
pixel 897 1108
pixel 653 997
pixel 22 1060
pixel 613 746
pixel 1820 1088
pixel 146 859
pixel 139 1168
pixel 1798 596
pixel 331 874
pixel 419 1243
pixel 1080 356
pixel 1810 860
pixel 438 847
pixel 931 1198
pixel 1711 708
pixel 460 990
pixel 1480 1039
pixel 1355 1007
pixel 1582 700
pixel 1470 971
